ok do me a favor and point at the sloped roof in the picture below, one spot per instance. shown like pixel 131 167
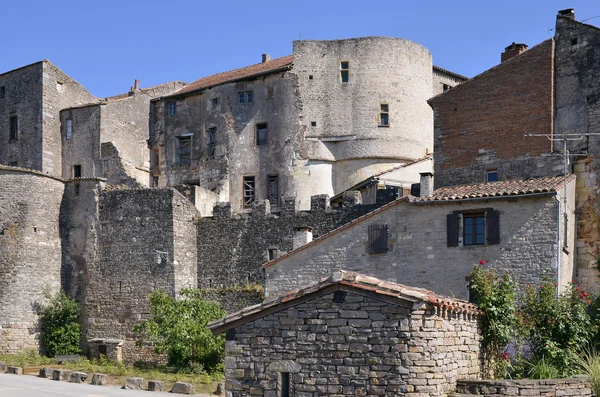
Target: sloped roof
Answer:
pixel 237 74
pixel 458 76
pixel 344 280
pixel 500 188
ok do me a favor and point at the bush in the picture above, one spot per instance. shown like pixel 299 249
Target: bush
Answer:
pixel 589 362
pixel 178 328
pixel 60 330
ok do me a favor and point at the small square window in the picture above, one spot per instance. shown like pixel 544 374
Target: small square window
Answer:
pixel 345 71
pixel 68 128
pixel 14 128
pixel 77 171
pixel 492 176
pixel 574 41
pixel 249 191
pixel 2 92
pixel 261 134
pixel 384 115
pixel 310 77
pixel 184 149
pixel 313 123
pixel 171 108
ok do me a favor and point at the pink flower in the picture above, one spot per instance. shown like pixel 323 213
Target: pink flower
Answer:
pixel 482 262
pixel 542 286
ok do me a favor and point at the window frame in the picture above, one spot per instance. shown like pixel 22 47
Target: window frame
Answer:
pixel 345 71
pixel 187 158
pixel 171 108
pixel 248 200
pixel 265 140
pixel 77 169
pixel 211 142
pixel 455 227
pixel 378 239
pixel 491 172
pixel 68 129
pixel 475 216
pixel 271 178
pixel 384 112
pixel 13 128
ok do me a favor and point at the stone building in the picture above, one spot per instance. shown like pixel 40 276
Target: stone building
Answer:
pixel 485 129
pixel 434 240
pixel 351 335
pixel 315 122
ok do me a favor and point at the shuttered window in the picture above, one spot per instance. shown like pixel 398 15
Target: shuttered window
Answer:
pixel 378 239
pixel 452 230
pixel 478 228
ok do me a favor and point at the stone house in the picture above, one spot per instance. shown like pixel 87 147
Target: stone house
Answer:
pixel 351 335
pixel 511 122
pixel 434 240
pixel 315 122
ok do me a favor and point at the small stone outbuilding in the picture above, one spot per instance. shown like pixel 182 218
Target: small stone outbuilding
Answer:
pixel 351 335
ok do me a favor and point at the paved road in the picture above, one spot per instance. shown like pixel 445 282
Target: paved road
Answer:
pixel 31 386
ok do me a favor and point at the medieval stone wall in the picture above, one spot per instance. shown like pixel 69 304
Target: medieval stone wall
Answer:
pixel 363 346
pixel 82 148
pixel 30 253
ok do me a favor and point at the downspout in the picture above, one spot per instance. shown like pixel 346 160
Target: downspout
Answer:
pixel 558 248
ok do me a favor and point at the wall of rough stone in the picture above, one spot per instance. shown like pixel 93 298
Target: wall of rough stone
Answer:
pixel 364 346
pixel 442 79
pixel 83 148
pixel 30 252
pixel 418 254
pixel 566 387
pixel 231 249
pixel 480 124
pixel 146 242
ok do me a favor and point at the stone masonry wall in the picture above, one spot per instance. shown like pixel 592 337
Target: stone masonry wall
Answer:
pixel 566 387
pixel 474 136
pixel 83 147
pixel 418 254
pixel 364 346
pixel 30 253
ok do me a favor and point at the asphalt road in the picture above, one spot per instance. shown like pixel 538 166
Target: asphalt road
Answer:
pixel 31 386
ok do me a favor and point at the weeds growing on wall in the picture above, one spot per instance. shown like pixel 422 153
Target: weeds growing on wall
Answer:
pixel 60 330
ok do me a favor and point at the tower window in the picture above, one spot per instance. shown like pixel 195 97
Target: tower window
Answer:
pixel 249 191
pixel 345 71
pixel 384 115
pixel 14 127
pixel 261 134
pixel 77 171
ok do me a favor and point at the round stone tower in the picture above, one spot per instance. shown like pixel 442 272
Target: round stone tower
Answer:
pixel 363 108
pixel 30 252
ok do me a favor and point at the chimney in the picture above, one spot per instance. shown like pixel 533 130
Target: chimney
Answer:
pixel 512 51
pixel 426 184
pixel 569 13
pixel 266 58
pixel 302 236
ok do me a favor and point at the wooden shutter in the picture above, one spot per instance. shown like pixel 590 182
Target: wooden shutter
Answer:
pixel 452 230
pixel 492 219
pixel 378 239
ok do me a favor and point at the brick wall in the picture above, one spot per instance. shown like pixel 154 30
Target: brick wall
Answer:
pixel 363 346
pixel 480 124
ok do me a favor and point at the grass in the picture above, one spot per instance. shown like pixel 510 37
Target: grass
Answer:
pixel 589 361
pixel 117 373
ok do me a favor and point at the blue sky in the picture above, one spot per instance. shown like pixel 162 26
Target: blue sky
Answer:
pixel 107 44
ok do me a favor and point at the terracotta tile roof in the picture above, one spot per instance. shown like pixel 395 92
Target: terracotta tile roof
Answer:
pixel 237 74
pixel 497 189
pixel 350 280
pixel 458 76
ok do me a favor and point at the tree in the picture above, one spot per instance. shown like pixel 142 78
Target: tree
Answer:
pixel 178 328
pixel 60 330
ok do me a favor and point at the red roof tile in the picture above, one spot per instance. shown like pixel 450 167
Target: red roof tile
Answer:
pixel 237 74
pixel 352 280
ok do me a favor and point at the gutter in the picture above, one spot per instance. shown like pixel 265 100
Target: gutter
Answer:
pixel 515 196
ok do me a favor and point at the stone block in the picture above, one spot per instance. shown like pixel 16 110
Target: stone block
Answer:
pixel 78 377
pixel 61 374
pixel 46 372
pixel 2 366
pixel 134 384
pixel 156 385
pixel 220 389
pixel 98 379
pixel 182 388
pixel 14 370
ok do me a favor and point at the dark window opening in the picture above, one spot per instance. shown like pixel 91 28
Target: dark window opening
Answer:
pixel 384 115
pixel 249 96
pixel 230 334
pixel 378 239
pixel 272 253
pixel 211 141
pixel 215 101
pixel 102 349
pixel 446 87
pixel 574 41
pixel 184 149
pixel 270 93
pixel 171 108
pixel 345 71
pixel 249 191
pixel 77 171
pixel 310 76
pixel 473 229
pixel 261 134
pixel 13 164
pixel 313 123
pixel 2 92
pixel 285 384
pixel 273 189
pixel 14 127
pixel 339 297
pixel 492 176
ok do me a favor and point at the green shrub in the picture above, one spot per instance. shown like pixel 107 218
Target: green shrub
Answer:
pixel 177 327
pixel 60 330
pixel 543 369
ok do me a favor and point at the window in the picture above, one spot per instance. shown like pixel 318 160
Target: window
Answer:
pixel 245 97
pixel 345 71
pixel 184 149
pixel 273 189
pixel 313 123
pixel 445 87
pixel 270 92
pixel 69 128
pixel 171 108
pixel 59 87
pixel 310 77
pixel 211 141
pixel 574 41
pixel 261 134
pixel 378 239
pixel 384 115
pixel 492 176
pixel 339 296
pixel 241 97
pixel 478 228
pixel 285 384
pixel 77 171
pixel 215 101
pixel 13 164
pixel 2 92
pixel 14 127
pixel 249 96
pixel 249 191
pixel 272 253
